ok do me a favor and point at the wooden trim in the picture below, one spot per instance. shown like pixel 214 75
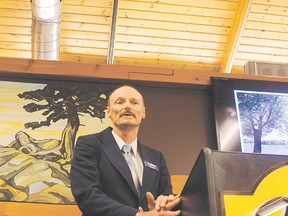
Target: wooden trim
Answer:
pixel 28 68
pixel 37 209
pixel 234 40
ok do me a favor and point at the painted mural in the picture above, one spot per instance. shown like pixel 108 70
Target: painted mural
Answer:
pixel 39 123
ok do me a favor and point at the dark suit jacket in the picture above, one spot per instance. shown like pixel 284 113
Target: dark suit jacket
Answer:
pixel 102 183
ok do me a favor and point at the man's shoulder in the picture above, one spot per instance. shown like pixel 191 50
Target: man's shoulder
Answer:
pixel 98 135
pixel 150 149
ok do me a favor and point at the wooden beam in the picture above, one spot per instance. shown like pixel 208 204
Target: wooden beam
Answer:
pixel 149 76
pixel 236 32
pixel 36 209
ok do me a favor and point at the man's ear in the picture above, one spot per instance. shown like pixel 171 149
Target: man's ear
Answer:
pixel 143 113
pixel 108 111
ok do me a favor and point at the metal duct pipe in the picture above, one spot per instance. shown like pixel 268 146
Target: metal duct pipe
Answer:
pixel 46 23
pixel 110 58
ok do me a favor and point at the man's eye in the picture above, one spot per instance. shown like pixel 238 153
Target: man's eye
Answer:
pixel 119 102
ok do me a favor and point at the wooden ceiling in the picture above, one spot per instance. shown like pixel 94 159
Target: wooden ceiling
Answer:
pixel 197 35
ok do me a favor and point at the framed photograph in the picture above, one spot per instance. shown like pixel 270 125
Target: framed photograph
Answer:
pixel 251 115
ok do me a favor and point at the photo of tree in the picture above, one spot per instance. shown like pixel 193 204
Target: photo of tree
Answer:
pixel 263 121
pixel 39 125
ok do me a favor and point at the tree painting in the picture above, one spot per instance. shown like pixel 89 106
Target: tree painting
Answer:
pixel 38 170
pixel 57 101
pixel 260 113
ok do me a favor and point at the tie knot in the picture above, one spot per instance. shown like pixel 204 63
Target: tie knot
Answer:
pixel 127 148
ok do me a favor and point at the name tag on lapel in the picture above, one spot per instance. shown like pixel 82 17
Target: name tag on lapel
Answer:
pixel 150 165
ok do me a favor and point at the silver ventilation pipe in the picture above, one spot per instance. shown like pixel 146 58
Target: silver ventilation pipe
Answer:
pixel 46 23
pixel 110 58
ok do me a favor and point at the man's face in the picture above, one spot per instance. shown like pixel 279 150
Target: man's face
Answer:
pixel 126 107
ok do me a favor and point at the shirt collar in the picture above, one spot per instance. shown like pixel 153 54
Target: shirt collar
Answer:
pixel 121 143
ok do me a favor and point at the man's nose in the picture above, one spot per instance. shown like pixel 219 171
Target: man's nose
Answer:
pixel 127 104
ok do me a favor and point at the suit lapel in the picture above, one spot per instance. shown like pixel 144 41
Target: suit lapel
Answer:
pixel 115 156
pixel 148 173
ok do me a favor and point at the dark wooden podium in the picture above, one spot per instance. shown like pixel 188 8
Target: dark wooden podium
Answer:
pixel 234 183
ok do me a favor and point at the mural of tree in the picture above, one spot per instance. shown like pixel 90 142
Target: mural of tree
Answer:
pixel 260 114
pixel 58 101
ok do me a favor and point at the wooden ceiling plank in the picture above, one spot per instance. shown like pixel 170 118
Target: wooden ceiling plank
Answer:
pixel 269 9
pixel 72 34
pixel 85 27
pixel 218 4
pixel 174 26
pixel 87 19
pixel 146 15
pixel 172 34
pixel 170 42
pixel 16 13
pixel 233 42
pixel 261 57
pixel 16 30
pixel 279 3
pixel 87 10
pixel 12 53
pixel 167 64
pixel 239 62
pixel 15 4
pixel 168 57
pixel 175 9
pixel 90 3
pixel 265 34
pixel 15 21
pixel 264 50
pixel 264 42
pixel 15 38
pixel 88 51
pixel 272 27
pixel 84 43
pixel 168 50
pixel 269 18
pixel 15 46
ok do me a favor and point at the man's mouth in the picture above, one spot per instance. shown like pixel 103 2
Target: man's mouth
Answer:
pixel 128 114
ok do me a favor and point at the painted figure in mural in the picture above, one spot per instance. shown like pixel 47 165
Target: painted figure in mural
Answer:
pixel 103 183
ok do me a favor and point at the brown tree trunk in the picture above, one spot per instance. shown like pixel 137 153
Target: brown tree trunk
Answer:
pixel 257 141
pixel 67 142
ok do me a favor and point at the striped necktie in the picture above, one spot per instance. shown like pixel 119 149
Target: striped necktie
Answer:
pixel 127 154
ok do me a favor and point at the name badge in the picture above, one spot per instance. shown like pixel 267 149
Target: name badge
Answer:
pixel 150 165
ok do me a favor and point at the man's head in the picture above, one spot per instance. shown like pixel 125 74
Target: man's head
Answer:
pixel 126 107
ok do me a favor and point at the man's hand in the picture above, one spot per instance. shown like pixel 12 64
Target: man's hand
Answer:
pixel 165 202
pixel 161 206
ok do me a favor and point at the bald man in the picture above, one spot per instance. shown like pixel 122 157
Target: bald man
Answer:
pixel 104 183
